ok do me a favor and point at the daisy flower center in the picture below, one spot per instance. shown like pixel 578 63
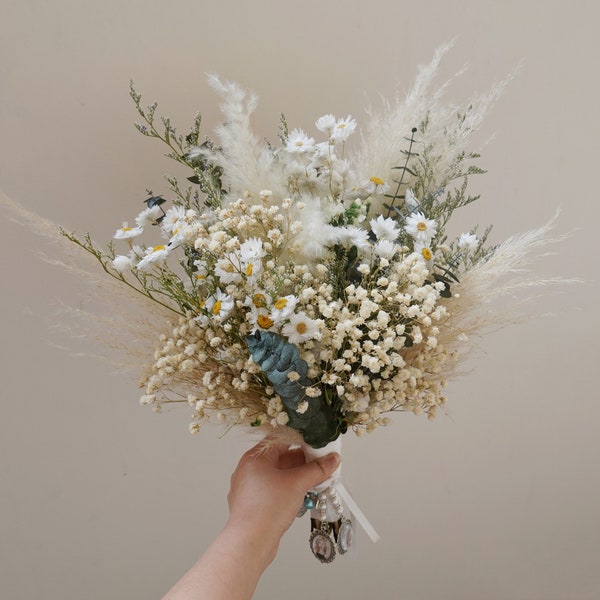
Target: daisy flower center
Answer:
pixel 158 248
pixel 126 228
pixel 249 269
pixel 216 308
pixel 259 300
pixel 264 321
pixel 377 180
pixel 426 253
pixel 281 303
pixel 301 328
pixel 422 226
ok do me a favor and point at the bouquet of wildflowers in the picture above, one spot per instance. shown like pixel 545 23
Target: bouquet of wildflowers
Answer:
pixel 311 288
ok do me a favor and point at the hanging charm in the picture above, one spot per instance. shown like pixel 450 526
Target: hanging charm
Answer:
pixel 330 529
pixel 345 536
pixel 309 502
pixel 321 544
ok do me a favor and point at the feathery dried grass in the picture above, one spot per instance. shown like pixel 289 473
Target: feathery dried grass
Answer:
pixel 441 130
pixel 507 272
pixel 128 323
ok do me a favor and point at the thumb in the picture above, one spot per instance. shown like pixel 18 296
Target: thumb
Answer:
pixel 318 470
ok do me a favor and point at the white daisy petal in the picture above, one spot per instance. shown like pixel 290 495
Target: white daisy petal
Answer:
pixel 420 227
pixel 301 329
pixel 127 232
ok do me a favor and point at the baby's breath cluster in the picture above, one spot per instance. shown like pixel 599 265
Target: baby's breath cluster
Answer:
pixel 300 284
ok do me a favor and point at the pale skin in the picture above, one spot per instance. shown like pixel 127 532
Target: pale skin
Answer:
pixel 267 488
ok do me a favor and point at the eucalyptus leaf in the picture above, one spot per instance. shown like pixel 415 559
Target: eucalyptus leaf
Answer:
pixel 312 416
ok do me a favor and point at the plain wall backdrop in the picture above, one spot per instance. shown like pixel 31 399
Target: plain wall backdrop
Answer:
pixel 498 499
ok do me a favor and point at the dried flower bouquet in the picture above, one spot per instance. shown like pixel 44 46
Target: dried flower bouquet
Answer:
pixel 312 288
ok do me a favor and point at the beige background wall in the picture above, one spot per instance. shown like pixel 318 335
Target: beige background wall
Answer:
pixel 498 499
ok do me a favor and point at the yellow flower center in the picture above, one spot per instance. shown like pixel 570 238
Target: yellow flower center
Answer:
pixel 249 269
pixel 228 268
pixel 422 226
pixel 341 125
pixel 281 303
pixel 126 228
pixel 426 253
pixel 299 143
pixel 216 309
pixel 259 300
pixel 301 328
pixel 377 180
pixel 264 321
pixel 200 276
pixel 158 248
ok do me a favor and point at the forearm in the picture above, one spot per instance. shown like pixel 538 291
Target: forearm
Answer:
pixel 230 567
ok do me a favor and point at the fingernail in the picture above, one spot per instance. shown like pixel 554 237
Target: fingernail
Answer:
pixel 333 460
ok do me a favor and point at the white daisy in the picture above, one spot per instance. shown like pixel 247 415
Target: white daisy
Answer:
pixel 127 232
pixel 343 129
pixel 258 300
pixel 149 216
pixel 259 318
pixel 468 241
pixel 219 305
pixel 156 255
pixel 228 269
pixel 174 217
pixel 384 228
pixel 425 253
pixel 298 141
pixel 300 329
pixel 385 249
pixel 283 307
pixel 181 232
pixel 420 227
pixel 252 269
pixel 252 250
pixel 199 275
pixel 326 124
pixel 376 185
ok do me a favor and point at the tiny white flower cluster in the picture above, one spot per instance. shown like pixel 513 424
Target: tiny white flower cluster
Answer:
pixel 374 343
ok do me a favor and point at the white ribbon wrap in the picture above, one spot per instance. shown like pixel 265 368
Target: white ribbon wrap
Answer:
pixel 335 480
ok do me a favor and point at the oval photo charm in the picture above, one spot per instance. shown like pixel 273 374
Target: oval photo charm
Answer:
pixel 345 536
pixel 322 546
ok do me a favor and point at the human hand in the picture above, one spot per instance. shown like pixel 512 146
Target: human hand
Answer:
pixel 268 486
pixel 267 489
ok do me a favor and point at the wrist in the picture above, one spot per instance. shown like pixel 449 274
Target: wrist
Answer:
pixel 259 540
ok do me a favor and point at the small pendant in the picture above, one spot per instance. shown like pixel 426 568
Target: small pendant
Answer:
pixel 331 532
pixel 322 545
pixel 345 536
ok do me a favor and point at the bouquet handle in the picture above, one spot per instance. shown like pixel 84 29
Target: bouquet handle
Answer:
pixel 335 482
pixel 311 453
